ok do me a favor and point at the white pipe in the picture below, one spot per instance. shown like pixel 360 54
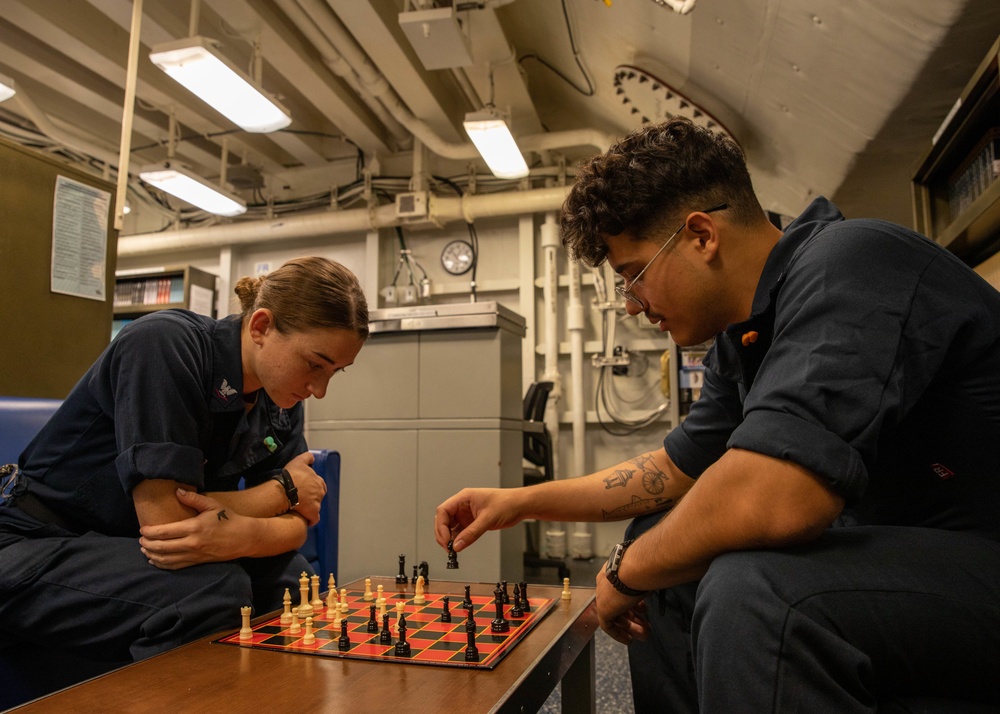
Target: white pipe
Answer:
pixel 580 545
pixel 550 300
pixel 373 81
pixel 128 111
pixel 339 66
pixel 314 225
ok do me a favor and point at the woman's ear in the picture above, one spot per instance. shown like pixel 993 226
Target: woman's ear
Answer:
pixel 260 322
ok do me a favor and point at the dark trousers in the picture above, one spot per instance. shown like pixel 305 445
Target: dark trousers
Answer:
pixel 98 596
pixel 865 619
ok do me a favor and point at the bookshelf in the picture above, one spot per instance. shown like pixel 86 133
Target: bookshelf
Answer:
pixel 139 293
pixel 956 197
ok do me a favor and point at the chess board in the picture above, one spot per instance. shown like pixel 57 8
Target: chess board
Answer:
pixel 431 641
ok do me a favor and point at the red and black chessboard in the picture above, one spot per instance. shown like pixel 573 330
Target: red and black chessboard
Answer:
pixel 431 641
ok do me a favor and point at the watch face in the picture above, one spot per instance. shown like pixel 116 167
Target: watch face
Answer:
pixel 457 257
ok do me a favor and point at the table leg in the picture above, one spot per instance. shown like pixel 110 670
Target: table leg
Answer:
pixel 578 683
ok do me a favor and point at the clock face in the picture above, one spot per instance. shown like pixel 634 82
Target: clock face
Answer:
pixel 457 257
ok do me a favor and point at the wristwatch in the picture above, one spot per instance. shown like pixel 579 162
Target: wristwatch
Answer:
pixel 611 571
pixel 285 479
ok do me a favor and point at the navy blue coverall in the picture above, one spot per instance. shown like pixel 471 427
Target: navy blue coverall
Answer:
pixel 877 367
pixel 164 401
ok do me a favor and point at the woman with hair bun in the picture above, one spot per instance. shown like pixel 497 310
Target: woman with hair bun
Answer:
pixel 125 532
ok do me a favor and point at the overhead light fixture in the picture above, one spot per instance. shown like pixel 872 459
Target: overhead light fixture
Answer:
pixel 196 63
pixel 6 88
pixel 183 183
pixel 489 132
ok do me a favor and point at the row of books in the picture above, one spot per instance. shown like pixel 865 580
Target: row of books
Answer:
pixel 975 175
pixel 149 291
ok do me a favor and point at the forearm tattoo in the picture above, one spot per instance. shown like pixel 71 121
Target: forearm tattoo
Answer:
pixel 654 483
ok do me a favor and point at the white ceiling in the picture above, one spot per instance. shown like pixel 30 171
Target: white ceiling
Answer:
pixel 834 97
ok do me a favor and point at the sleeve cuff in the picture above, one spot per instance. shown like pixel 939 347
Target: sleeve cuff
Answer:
pixel 183 464
pixel 788 437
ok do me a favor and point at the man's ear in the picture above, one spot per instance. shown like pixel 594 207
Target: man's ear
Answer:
pixel 705 231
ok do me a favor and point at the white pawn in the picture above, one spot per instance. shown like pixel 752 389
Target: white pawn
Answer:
pixel 295 627
pixel 566 594
pixel 309 637
pixel 368 590
pixel 343 601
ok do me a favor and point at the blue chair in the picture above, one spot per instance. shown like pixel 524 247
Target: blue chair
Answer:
pixel 20 419
pixel 320 548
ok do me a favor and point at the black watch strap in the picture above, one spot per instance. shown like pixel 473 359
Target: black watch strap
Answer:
pixel 611 571
pixel 285 479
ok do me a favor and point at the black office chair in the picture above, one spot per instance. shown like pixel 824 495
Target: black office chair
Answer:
pixel 538 453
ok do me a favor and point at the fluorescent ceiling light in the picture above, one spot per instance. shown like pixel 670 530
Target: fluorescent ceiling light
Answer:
pixel 196 63
pixel 6 88
pixel 491 135
pixel 185 184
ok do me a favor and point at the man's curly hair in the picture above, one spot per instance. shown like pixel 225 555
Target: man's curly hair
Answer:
pixel 651 178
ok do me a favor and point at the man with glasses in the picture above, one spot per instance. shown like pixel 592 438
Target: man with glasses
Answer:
pixel 821 533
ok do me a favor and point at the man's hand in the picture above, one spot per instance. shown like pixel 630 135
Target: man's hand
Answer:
pixel 467 515
pixel 623 617
pixel 215 534
pixel 311 487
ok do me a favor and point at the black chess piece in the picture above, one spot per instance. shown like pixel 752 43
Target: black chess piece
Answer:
pixel 467 602
pixel 452 556
pixel 445 612
pixel 385 636
pixel 524 597
pixel 506 595
pixel 414 574
pixel 499 624
pixel 471 652
pixel 344 643
pixel 515 610
pixel 402 646
pixel 470 623
pixel 401 578
pixel 372 622
pixel 424 571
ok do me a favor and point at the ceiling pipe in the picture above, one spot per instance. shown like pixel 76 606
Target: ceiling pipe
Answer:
pixel 373 81
pixel 313 225
pixel 336 63
pixel 65 137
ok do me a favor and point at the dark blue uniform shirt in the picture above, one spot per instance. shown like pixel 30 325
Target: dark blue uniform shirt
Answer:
pixel 876 365
pixel 164 401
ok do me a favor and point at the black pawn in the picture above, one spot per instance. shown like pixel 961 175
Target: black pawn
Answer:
pixel 471 653
pixel 467 602
pixel 372 622
pixel 344 643
pixel 401 578
pixel 506 595
pixel 499 624
pixel 385 636
pixel 524 597
pixel 402 646
pixel 515 610
pixel 425 572
pixel 452 556
pixel 445 612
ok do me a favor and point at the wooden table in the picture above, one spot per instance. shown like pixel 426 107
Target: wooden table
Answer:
pixel 207 677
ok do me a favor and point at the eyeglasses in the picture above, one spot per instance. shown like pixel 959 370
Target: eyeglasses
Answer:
pixel 626 290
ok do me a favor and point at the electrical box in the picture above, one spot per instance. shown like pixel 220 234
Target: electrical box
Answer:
pixel 437 37
pixel 411 205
